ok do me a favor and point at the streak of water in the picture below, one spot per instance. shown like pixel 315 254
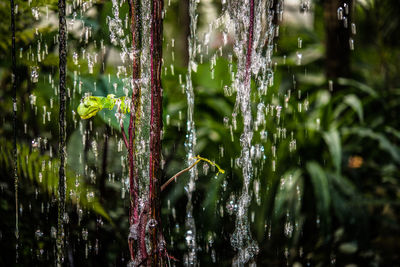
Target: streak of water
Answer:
pixel 143 132
pixel 191 256
pixel 253 34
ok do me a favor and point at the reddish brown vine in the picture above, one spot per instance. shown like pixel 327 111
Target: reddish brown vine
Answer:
pixel 158 249
pixel 145 223
pixel 134 117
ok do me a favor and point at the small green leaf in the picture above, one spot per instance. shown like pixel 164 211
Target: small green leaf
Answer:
pixel 321 191
pixel 363 87
pixel 383 142
pixel 354 102
pixel 332 139
pixel 348 248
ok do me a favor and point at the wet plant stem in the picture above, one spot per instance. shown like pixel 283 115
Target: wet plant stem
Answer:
pixel 62 86
pixel 157 242
pixel 134 118
pixel 14 100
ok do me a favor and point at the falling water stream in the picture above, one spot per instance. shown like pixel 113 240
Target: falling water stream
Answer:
pixel 254 32
pixel 191 257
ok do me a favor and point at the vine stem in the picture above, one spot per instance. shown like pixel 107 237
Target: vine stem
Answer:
pixel 134 117
pixel 62 134
pixel 155 233
pixel 14 100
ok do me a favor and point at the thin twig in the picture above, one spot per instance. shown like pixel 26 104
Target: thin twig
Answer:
pixel 178 174
pixel 191 166
pixel 211 163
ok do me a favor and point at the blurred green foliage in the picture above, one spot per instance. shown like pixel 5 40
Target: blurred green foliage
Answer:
pixel 333 197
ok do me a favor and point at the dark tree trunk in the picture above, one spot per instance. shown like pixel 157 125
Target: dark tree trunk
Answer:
pixel 337 61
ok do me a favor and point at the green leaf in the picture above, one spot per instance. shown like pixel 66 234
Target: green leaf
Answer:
pixel 98 208
pixel 74 149
pixel 348 248
pixel 341 184
pixel 287 193
pixel 321 191
pixel 393 131
pixel 383 142
pixel 332 139
pixel 363 87
pixel 108 116
pixel 354 102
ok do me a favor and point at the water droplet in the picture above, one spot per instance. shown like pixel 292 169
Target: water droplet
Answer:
pixel 66 218
pixel 53 232
pixel 346 8
pixel 353 29
pixel 298 58
pixel 330 84
pixel 351 44
pixel 152 223
pixel 34 74
pixel 226 122
pixel 84 234
pixel 35 13
pixel 340 13
pixel 206 167
pixel 38 234
pixel 305 6
pixel 90 196
pixel 231 206
pixel 189 238
pixel 345 22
